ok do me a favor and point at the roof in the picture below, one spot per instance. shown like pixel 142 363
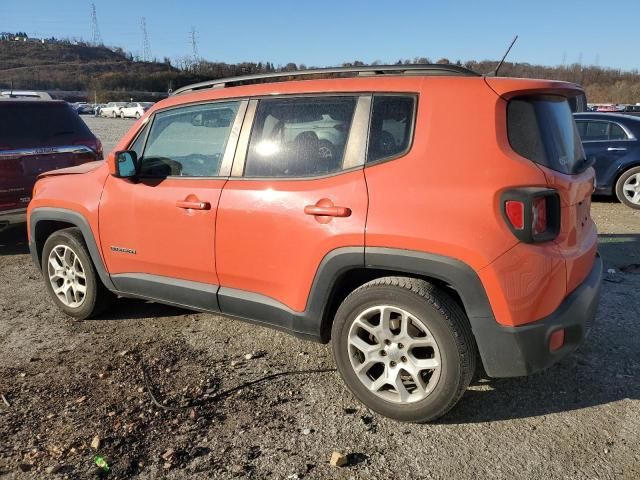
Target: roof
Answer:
pixel 25 94
pixel 607 116
pixel 339 72
pixel 5 100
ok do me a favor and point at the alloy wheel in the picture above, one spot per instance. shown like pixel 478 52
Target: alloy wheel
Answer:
pixel 394 354
pixel 631 189
pixel 67 276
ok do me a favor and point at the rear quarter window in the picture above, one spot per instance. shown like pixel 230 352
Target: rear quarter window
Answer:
pixel 392 119
pixel 542 129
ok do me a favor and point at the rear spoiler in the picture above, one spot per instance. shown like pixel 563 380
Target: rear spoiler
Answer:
pixel 507 88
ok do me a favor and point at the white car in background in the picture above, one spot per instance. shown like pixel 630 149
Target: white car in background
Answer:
pixel 112 109
pixel 135 109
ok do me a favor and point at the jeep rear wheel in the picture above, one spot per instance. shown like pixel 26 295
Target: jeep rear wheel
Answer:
pixel 404 348
pixel 70 276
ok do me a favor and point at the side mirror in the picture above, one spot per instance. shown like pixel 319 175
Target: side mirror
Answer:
pixel 126 163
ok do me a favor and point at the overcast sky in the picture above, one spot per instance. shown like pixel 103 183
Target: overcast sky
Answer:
pixel 331 32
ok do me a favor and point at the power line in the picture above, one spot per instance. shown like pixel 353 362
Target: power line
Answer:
pixel 146 46
pixel 96 38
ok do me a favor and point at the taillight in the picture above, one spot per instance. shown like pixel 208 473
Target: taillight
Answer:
pixel 94 144
pixel 539 207
pixel 532 213
pixel 515 213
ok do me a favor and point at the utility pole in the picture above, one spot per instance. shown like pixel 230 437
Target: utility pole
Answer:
pixel 96 38
pixel 194 46
pixel 146 47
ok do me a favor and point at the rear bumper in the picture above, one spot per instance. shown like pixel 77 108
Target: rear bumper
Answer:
pixel 9 217
pixel 523 350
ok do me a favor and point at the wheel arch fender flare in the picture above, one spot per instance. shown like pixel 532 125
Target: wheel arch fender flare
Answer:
pixel 457 274
pixel 625 167
pixel 73 218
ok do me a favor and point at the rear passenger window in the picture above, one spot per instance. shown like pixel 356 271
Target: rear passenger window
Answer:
pixel 596 131
pixel 299 137
pixel 391 126
pixel 188 141
pixel 617 133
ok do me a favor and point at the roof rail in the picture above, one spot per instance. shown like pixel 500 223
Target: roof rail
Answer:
pixel 413 69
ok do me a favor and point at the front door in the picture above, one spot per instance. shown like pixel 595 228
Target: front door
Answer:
pixel 157 232
pixel 299 194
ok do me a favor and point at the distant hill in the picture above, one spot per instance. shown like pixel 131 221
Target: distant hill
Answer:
pixel 67 66
pixel 113 74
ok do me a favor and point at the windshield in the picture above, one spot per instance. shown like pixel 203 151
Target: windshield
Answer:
pixel 542 129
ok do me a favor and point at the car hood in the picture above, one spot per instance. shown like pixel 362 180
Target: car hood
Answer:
pixel 78 169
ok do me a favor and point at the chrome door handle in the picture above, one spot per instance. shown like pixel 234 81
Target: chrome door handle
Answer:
pixel 188 205
pixel 617 149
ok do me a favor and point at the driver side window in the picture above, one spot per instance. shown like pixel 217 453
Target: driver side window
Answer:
pixel 188 141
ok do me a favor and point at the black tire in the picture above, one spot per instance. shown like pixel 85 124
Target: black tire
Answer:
pixel 447 323
pixel 137 115
pixel 620 183
pixel 97 297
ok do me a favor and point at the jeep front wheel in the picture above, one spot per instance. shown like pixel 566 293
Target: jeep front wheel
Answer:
pixel 404 348
pixel 70 276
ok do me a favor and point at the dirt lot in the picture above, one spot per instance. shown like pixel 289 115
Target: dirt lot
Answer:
pixel 68 382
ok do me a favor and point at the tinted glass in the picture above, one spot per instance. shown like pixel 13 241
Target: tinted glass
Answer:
pixel 542 129
pixel 597 131
pixel 188 141
pixel 616 132
pixel 582 128
pixel 42 124
pixel 299 137
pixel 391 126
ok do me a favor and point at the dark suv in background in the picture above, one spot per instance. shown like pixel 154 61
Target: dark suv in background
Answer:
pixel 611 140
pixel 37 136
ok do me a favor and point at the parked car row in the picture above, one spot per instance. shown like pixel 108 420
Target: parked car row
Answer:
pixel 124 109
pixel 633 109
pixel 111 109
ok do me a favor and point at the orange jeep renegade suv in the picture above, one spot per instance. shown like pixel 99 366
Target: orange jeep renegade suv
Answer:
pixel 421 218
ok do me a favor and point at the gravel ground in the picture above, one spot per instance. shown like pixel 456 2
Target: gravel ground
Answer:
pixel 69 382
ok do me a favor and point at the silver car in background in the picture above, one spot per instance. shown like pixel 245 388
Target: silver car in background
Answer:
pixel 112 109
pixel 135 109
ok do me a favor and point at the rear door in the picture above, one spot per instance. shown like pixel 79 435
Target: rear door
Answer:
pixel 297 192
pixel 36 137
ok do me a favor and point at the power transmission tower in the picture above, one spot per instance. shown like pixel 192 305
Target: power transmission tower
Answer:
pixel 146 47
pixel 194 45
pixel 96 38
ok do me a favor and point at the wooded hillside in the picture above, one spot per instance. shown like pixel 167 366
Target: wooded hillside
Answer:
pixel 55 65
